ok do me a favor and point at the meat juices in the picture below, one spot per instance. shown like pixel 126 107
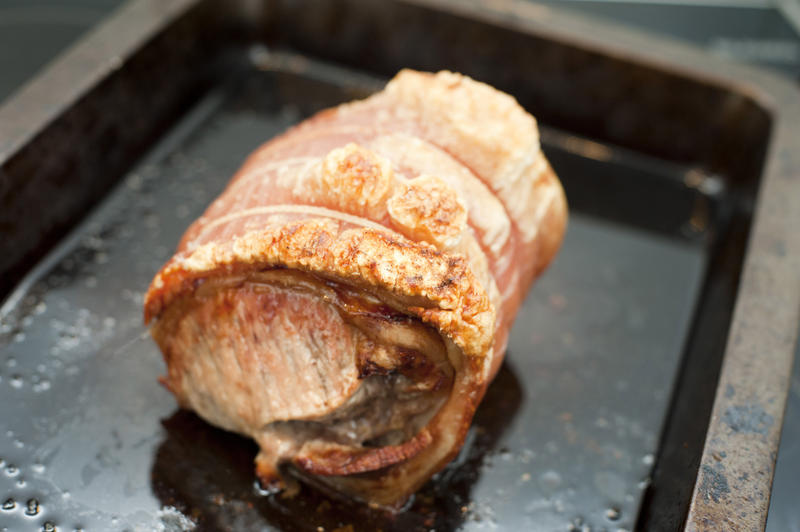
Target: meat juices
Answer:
pixel 347 299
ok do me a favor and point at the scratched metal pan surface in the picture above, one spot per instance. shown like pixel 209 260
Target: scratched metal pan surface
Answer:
pixel 598 418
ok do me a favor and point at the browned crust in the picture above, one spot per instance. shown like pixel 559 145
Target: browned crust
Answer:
pixel 427 209
pixel 438 288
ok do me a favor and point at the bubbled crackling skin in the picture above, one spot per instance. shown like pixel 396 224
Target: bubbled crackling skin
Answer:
pixel 347 299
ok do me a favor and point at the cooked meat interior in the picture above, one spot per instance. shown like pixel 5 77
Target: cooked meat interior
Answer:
pixel 306 367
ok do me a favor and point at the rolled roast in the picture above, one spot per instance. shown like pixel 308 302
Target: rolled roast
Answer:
pixel 347 299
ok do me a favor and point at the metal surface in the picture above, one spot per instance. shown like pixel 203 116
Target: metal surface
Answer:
pixel 735 478
pixel 732 488
pixel 41 31
pixel 758 32
pixel 783 511
pixel 605 328
pixel 673 166
pixel 38 126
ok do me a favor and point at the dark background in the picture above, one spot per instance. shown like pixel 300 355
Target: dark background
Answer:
pixel 34 32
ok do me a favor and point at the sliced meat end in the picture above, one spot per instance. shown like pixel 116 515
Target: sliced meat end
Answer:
pixel 324 378
pixel 245 356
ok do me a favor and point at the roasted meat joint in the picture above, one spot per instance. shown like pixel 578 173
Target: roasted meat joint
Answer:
pixel 347 299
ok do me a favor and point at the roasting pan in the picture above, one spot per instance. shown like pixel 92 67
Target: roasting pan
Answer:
pixel 647 372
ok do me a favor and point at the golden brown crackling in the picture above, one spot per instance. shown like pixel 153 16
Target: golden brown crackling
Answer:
pixel 484 126
pixel 438 288
pixel 481 127
pixel 491 134
pixel 356 180
pixel 415 156
pixel 425 208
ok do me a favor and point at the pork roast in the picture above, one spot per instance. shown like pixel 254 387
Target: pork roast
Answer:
pixel 347 299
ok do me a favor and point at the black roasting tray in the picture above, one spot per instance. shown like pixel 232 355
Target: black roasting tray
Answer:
pixel 647 372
